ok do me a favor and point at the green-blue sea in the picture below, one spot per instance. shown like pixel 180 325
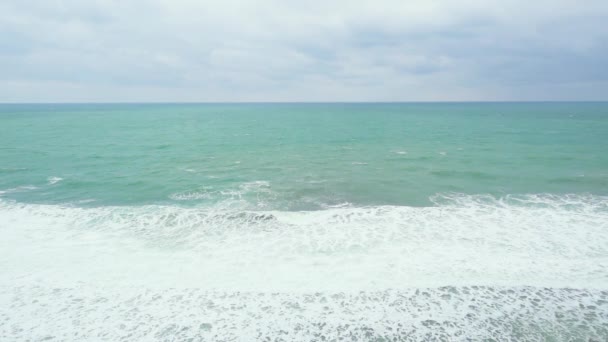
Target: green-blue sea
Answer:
pixel 304 221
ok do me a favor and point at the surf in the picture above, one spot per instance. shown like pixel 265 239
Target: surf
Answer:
pixel 524 240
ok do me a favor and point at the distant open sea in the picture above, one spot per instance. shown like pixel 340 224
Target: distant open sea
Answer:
pixel 324 222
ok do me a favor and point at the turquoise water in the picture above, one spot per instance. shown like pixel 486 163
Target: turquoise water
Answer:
pixel 418 221
pixel 300 156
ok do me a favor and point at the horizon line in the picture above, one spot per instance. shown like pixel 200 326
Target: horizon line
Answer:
pixel 296 102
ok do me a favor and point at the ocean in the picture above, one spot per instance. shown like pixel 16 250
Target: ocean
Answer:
pixel 300 222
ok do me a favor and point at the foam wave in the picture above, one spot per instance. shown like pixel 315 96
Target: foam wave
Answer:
pixel 53 180
pixel 442 314
pixel 573 202
pixel 18 189
pixel 190 195
pixel 257 192
pixel 538 240
pixel 470 267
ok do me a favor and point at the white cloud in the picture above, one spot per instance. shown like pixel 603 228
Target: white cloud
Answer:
pixel 187 50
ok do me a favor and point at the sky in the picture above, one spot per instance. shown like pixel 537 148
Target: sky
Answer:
pixel 298 51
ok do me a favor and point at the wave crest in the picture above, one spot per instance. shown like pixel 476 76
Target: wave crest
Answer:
pixel 539 240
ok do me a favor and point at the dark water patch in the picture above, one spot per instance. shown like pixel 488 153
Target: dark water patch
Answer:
pixel 473 175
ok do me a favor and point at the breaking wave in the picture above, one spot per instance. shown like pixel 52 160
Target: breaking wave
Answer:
pixel 522 267
pixel 543 240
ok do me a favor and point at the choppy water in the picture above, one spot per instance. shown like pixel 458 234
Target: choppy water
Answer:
pixel 304 222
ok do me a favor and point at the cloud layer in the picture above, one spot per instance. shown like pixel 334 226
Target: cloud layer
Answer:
pixel 187 50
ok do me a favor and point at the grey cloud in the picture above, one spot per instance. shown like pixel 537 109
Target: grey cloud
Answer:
pixel 186 50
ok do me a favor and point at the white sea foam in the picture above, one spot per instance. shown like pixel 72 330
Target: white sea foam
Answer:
pixel 339 205
pixel 228 196
pixel 256 186
pixel 190 195
pixel 221 273
pixel 53 180
pixel 401 152
pixel 538 240
pixel 442 314
pixel 316 181
pixel 21 188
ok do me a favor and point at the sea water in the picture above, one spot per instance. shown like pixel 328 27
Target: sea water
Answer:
pixel 218 222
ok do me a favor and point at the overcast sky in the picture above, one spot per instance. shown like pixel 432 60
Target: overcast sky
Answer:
pixel 187 50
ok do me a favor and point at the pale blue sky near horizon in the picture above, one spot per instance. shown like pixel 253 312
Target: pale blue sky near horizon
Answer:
pixel 288 51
